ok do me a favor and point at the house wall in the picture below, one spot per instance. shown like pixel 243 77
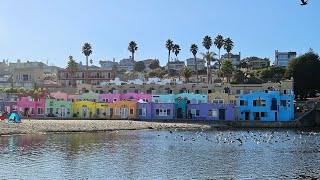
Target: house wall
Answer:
pixel 204 111
pixel 27 104
pixel 83 109
pixel 148 107
pixel 61 108
pixel 170 106
pixel 120 105
pixel 110 97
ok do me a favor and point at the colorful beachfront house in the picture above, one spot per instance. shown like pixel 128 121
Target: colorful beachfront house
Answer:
pixel 28 106
pixel 58 107
pixel 8 103
pixel 90 96
pixel 62 96
pixel 211 111
pixel 144 110
pixel 163 111
pixel 109 98
pixel 101 110
pixel 121 110
pixel 266 106
pixel 84 109
pixel 224 98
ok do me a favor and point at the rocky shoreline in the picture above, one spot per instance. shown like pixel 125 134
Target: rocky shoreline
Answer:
pixel 43 126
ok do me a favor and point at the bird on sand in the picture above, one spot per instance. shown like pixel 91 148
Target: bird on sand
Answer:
pixel 304 2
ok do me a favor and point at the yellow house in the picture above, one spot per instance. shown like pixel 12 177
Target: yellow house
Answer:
pixel 101 110
pixel 84 109
pixel 219 98
pixel 121 110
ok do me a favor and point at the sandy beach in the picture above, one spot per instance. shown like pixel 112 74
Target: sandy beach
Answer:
pixel 42 126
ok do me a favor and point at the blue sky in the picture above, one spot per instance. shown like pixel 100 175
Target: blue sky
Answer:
pixel 52 30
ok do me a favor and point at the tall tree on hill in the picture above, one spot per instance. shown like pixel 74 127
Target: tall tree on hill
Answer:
pixel 72 67
pixel 227 69
pixel 132 48
pixel 194 51
pixel 87 51
pixel 169 46
pixel 218 42
pixel 228 46
pixel 207 43
pixel 176 50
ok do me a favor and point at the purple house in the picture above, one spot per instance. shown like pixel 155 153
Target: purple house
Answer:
pixel 144 110
pixel 137 97
pixel 211 111
pixel 27 106
pixel 162 111
pixel 110 97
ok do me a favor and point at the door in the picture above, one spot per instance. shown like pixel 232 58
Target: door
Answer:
pixel 276 116
pixel 124 113
pixel 247 115
pixel 7 109
pixel 26 111
pixel 222 114
pixel 179 113
pixel 62 112
pixel 84 112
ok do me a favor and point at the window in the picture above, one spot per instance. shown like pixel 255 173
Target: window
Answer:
pixel 156 100
pixel 145 100
pixel 108 111
pixel 194 112
pixel 213 113
pixel 259 103
pixel 283 103
pixel 99 111
pixel 114 100
pixel 15 108
pixel 57 110
pixel 68 111
pixel 131 111
pixel 264 114
pixel 232 101
pixel 243 103
pixel 40 111
pixel 142 112
pixel 31 111
pixel 217 101
pixel 117 111
pixel 163 112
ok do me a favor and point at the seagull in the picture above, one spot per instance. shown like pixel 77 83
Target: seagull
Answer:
pixel 239 140
pixel 304 2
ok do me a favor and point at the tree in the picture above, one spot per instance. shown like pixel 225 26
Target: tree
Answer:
pixel 169 46
pixel 218 42
pixel 176 50
pixel 91 61
pixel 139 66
pixel 132 48
pixel 72 67
pixel 186 72
pixel 21 90
pixel 158 72
pixel 238 76
pixel 305 71
pixel 194 51
pixel 87 51
pixel 155 64
pixel 208 57
pixel 273 73
pixel 228 46
pixel 207 43
pixel 227 69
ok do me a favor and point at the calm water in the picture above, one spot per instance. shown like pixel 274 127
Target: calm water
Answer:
pixel 216 154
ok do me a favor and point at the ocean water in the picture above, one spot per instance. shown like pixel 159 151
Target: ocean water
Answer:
pixel 153 154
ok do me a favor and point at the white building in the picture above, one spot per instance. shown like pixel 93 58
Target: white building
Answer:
pixel 235 58
pixel 283 58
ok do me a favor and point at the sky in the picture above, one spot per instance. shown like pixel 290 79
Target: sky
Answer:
pixel 38 30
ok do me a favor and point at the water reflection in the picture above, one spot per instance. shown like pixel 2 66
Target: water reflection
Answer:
pixel 239 154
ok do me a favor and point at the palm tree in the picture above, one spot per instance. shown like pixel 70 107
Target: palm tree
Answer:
pixel 72 67
pixel 207 43
pixel 228 46
pixel 186 72
pixel 218 42
pixel 87 51
pixel 176 50
pixel 194 51
pixel 91 61
pixel 169 46
pixel 132 48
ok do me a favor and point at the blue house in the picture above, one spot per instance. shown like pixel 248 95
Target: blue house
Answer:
pixel 266 106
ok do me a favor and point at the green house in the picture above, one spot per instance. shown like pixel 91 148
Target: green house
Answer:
pixel 58 108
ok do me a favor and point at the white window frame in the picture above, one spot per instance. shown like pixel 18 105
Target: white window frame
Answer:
pixel 108 111
pixel 117 111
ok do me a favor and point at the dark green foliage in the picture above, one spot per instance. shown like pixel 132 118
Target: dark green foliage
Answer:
pixel 238 76
pixel 273 73
pixel 305 70
pixel 155 64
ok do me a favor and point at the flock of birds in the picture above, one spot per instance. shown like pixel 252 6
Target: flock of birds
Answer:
pixel 242 137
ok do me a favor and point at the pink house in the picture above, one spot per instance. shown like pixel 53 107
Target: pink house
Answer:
pixel 27 106
pixel 109 97
pixel 62 95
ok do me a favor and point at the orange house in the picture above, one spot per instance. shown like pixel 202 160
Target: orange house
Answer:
pixel 121 110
